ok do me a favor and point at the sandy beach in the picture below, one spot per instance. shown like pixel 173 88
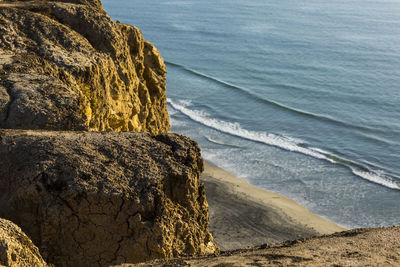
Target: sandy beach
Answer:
pixel 242 215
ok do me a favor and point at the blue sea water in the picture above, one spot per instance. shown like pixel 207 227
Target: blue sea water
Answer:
pixel 297 97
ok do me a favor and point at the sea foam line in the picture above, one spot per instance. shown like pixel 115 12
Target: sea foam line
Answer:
pixel 221 143
pixel 376 178
pixel 234 128
pixel 286 143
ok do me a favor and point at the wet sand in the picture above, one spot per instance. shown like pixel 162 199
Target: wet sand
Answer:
pixel 243 216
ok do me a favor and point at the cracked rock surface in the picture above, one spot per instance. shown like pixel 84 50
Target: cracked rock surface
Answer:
pixel 16 249
pixel 65 65
pixel 95 199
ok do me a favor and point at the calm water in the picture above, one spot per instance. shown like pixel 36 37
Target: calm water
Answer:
pixel 298 97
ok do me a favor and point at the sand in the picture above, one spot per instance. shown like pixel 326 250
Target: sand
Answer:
pixel 359 247
pixel 242 215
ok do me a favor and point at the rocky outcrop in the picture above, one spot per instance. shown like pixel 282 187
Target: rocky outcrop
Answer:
pixel 16 249
pixel 65 65
pixel 94 199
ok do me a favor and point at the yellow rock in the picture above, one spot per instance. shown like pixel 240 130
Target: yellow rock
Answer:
pixel 86 73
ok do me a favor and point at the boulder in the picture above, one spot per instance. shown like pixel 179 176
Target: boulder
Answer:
pixel 95 199
pixel 16 249
pixel 65 65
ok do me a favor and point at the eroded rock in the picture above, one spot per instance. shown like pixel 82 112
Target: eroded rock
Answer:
pixel 16 249
pixel 90 199
pixel 65 65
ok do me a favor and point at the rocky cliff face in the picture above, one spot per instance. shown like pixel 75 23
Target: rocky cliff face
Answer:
pixel 95 199
pixel 16 249
pixel 65 65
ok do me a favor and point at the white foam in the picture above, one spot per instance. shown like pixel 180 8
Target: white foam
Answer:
pixel 177 122
pixel 215 141
pixel 185 102
pixel 377 178
pixel 320 150
pixel 172 112
pixel 220 142
pixel 283 142
pixel 323 152
pixel 235 128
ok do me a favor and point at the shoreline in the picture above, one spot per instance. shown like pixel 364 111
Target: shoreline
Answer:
pixel 242 215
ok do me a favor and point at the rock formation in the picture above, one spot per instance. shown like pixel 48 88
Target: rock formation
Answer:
pixel 94 199
pixel 16 249
pixel 65 65
pixel 97 197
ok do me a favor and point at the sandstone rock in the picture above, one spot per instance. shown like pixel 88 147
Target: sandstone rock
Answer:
pixel 16 249
pixel 65 65
pixel 90 199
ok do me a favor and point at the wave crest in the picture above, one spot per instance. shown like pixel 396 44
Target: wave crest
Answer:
pixel 283 142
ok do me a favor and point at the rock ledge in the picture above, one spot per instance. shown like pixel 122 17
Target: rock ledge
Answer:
pixel 88 198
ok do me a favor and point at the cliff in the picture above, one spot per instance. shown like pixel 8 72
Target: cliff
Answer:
pixel 90 196
pixel 65 65
pixel 95 199
pixel 16 249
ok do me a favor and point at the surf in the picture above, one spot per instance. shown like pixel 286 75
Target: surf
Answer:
pixel 282 142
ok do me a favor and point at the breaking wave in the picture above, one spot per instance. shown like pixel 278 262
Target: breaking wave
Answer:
pixel 283 142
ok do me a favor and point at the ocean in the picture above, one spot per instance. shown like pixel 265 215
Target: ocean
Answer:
pixel 301 98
